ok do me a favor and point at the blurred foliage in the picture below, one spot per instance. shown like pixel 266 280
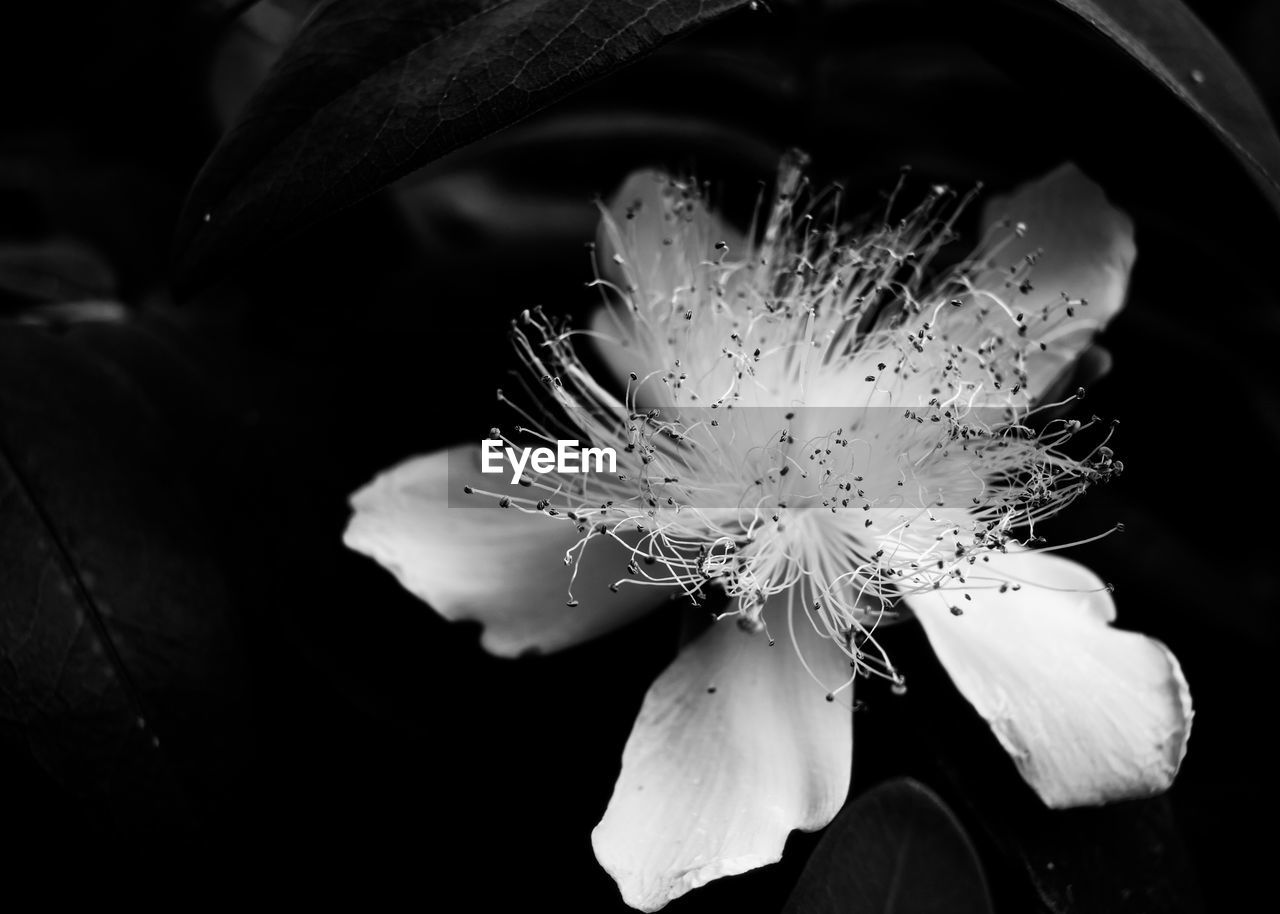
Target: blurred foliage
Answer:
pixel 896 847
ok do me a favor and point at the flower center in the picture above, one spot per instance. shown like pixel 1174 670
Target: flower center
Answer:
pixel 800 420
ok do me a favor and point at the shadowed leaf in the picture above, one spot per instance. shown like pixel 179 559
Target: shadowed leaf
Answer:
pixel 1176 47
pixel 60 270
pixel 372 89
pixel 897 849
pixel 121 683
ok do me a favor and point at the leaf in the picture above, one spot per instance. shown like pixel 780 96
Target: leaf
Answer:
pixel 1102 859
pixel 1123 858
pixel 897 849
pixel 1179 50
pixel 59 270
pixel 369 91
pixel 122 686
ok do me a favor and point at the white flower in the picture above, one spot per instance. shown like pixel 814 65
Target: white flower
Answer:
pixel 811 426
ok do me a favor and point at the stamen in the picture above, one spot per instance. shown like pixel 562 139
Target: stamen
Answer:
pixel 812 416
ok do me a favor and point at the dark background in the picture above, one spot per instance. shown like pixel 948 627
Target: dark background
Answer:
pixel 306 724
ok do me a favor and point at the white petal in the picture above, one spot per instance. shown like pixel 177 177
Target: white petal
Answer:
pixel 638 244
pixel 1082 248
pixel 502 567
pixel 712 782
pixel 1090 714
pixel 652 243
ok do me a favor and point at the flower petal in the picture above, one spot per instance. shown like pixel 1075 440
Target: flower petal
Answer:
pixel 1083 250
pixel 637 242
pixel 1051 273
pixel 652 243
pixel 501 567
pixel 1089 714
pixel 735 746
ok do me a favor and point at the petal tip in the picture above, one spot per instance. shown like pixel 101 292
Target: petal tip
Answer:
pixel 654 891
pixel 1068 190
pixel 1167 756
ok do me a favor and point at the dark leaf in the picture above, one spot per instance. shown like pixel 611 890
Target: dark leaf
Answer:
pixel 897 849
pixel 1122 857
pixel 59 270
pixel 121 682
pixel 368 91
pixel 1176 47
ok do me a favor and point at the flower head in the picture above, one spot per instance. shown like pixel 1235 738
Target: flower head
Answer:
pixel 821 430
